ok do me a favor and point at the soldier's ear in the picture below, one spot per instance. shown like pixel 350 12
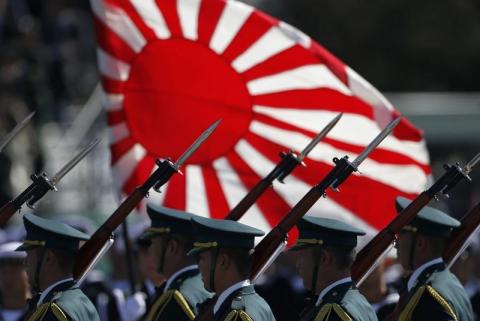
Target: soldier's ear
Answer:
pixel 223 261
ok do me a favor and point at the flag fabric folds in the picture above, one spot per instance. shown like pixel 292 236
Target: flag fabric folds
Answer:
pixel 169 68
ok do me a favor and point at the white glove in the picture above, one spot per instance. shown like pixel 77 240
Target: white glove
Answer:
pixel 132 307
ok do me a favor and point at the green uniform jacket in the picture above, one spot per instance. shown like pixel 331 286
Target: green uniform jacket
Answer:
pixel 244 304
pixel 179 302
pixel 438 295
pixel 65 302
pixel 342 302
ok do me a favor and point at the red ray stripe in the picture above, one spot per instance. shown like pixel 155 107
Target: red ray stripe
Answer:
pixel 169 12
pixel 120 148
pixel 112 86
pixel 139 176
pixel 270 203
pixel 175 195
pixel 210 12
pixel 216 197
pixel 115 117
pixel 406 130
pixel 379 154
pixel 333 63
pixel 255 26
pixel 291 58
pixel 110 42
pixel 132 13
pixel 321 98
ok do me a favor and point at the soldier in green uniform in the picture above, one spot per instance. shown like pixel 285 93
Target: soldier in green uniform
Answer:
pixel 224 250
pixel 325 255
pixel 171 236
pixel 51 247
pixel 434 293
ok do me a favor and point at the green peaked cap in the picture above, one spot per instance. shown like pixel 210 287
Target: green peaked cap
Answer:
pixel 212 233
pixel 429 220
pixel 314 231
pixel 42 232
pixel 167 220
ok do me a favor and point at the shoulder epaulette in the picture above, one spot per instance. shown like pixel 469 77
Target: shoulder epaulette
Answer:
pixel 165 299
pixel 426 290
pixel 328 309
pixel 42 311
pixel 238 315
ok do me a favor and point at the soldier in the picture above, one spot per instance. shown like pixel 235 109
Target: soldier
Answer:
pixel 14 288
pixel 434 293
pixel 224 251
pixel 51 247
pixel 171 236
pixel 326 253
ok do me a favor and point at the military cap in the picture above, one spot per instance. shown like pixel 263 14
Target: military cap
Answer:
pixel 429 220
pixel 212 233
pixel 325 231
pixel 47 233
pixel 167 220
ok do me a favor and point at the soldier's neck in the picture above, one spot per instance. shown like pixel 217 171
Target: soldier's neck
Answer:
pixel 52 278
pixel 329 278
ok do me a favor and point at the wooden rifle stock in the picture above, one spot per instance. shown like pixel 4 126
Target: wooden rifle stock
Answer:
pixel 370 253
pixel 89 250
pixel 283 169
pixel 6 212
pixel 268 245
pixel 374 249
pixel 35 191
pixel 455 244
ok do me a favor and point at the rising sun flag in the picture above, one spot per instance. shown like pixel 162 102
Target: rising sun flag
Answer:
pixel 170 68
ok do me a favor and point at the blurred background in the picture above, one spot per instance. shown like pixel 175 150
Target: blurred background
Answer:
pixel 424 55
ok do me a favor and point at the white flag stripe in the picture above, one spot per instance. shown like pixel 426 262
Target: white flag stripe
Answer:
pixel 196 193
pixel 111 102
pixel 118 132
pixel 364 90
pixel 354 129
pixel 271 43
pixel 305 77
pixel 112 67
pixel 234 191
pixel 188 11
pixel 407 178
pixel 232 19
pixel 152 17
pixel 295 189
pixel 125 166
pixel 117 20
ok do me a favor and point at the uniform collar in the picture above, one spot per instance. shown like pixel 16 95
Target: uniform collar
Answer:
pixel 225 294
pixel 345 281
pixel 172 278
pixel 412 281
pixel 66 282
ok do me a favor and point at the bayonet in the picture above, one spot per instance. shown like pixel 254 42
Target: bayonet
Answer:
pixel 197 143
pixel 74 161
pixel 18 128
pixel 319 137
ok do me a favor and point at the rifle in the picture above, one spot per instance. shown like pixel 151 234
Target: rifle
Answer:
pixel 462 237
pixel 288 163
pixel 370 254
pixel 18 128
pixel 272 244
pixel 40 186
pixel 342 170
pixel 166 168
